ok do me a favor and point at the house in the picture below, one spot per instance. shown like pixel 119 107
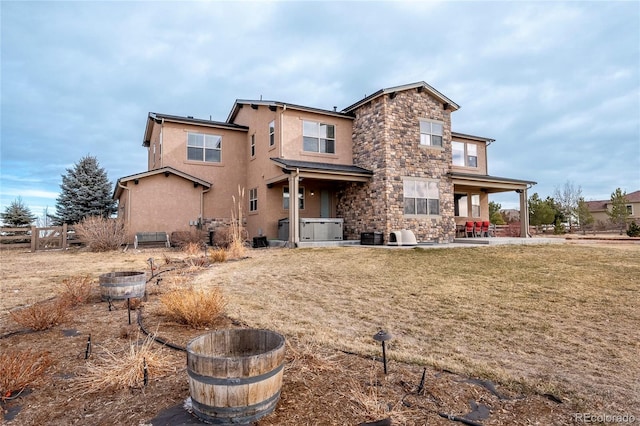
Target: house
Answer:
pixel 599 209
pixel 387 162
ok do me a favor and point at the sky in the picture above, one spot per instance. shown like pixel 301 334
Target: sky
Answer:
pixel 556 84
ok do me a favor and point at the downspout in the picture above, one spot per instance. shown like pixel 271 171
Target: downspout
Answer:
pixel 284 108
pixel 161 153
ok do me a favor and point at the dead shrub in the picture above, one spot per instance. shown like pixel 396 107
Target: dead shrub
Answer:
pixel 115 370
pixel 192 249
pixel 222 237
pixel 19 369
pixel 183 238
pixel 42 315
pixel 75 290
pixel 194 307
pixel 102 234
pixel 218 255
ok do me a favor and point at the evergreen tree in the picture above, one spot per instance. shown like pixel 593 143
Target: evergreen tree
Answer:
pixel 495 216
pixel 541 212
pixel 585 218
pixel 85 191
pixel 17 214
pixel 618 214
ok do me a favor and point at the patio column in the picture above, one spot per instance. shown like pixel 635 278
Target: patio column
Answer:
pixel 294 209
pixel 524 213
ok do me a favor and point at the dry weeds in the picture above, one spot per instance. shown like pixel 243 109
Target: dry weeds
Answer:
pixel 76 290
pixel 42 315
pixel 194 307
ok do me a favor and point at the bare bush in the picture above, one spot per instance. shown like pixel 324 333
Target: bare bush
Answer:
pixel 102 234
pixel 75 290
pixel 222 237
pixel 194 307
pixel 42 315
pixel 182 238
pixel 19 369
pixel 192 248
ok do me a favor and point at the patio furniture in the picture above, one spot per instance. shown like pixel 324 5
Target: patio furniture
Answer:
pixel 477 229
pixel 484 231
pixel 492 229
pixel 468 229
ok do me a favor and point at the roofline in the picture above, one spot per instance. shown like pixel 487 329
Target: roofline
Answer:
pixel 239 103
pixel 167 170
pixel 474 137
pixel 488 178
pixel 309 167
pixel 158 118
pixel 421 84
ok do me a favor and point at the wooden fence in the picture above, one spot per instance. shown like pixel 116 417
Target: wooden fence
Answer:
pixel 47 238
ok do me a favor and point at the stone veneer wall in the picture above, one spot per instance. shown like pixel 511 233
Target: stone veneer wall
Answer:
pixel 386 140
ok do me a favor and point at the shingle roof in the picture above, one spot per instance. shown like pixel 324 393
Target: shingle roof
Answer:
pixel 328 167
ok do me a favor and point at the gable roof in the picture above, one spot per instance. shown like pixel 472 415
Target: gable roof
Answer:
pixel 601 205
pixel 154 117
pixel 163 170
pixel 421 85
pixel 273 105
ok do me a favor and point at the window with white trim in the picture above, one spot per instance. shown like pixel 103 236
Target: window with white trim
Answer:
pixel 475 205
pixel 272 133
pixel 253 145
pixel 421 197
pixel 464 154
pixel 629 209
pixel 431 133
pixel 318 137
pixel 285 197
pixel 253 199
pixel 203 147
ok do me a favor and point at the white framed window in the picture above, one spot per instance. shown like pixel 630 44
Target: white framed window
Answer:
pixel 252 145
pixel 253 199
pixel 464 154
pixel 421 197
pixel 285 198
pixel 431 133
pixel 461 206
pixel 203 147
pixel 272 133
pixel 475 205
pixel 318 137
pixel 629 209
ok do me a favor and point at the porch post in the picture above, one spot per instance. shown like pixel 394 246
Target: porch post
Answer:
pixel 294 209
pixel 524 214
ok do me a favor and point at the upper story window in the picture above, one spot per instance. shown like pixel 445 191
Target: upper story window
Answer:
pixel 253 199
pixel 464 154
pixel 318 137
pixel 202 147
pixel 431 133
pixel 421 197
pixel 272 133
pixel 285 197
pixel 253 145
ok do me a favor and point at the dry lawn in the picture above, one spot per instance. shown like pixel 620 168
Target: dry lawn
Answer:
pixel 535 320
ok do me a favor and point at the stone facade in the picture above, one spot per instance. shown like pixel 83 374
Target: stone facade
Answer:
pixel 386 140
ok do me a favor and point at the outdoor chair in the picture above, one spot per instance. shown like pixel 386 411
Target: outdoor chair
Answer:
pixel 484 231
pixel 468 229
pixel 492 229
pixel 477 229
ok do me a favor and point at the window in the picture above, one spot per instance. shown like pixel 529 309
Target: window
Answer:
pixel 431 133
pixel 461 205
pixel 475 205
pixel 464 154
pixel 253 199
pixel 318 137
pixel 253 145
pixel 285 197
pixel 272 133
pixel 421 197
pixel 630 209
pixel 201 147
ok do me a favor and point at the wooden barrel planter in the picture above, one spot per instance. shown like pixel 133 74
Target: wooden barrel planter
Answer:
pixel 122 285
pixel 235 375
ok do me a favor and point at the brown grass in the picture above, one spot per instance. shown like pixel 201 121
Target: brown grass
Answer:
pixel 194 307
pixel 76 290
pixel 192 248
pixel 20 369
pixel 218 255
pixel 42 315
pixel 124 369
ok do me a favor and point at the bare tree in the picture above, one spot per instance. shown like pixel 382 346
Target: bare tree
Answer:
pixel 568 199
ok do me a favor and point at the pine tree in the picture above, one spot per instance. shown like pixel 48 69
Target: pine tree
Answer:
pixel 618 214
pixel 85 191
pixel 17 214
pixel 585 218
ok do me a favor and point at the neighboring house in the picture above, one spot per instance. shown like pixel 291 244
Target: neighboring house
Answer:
pixel 388 162
pixel 599 209
pixel 510 215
